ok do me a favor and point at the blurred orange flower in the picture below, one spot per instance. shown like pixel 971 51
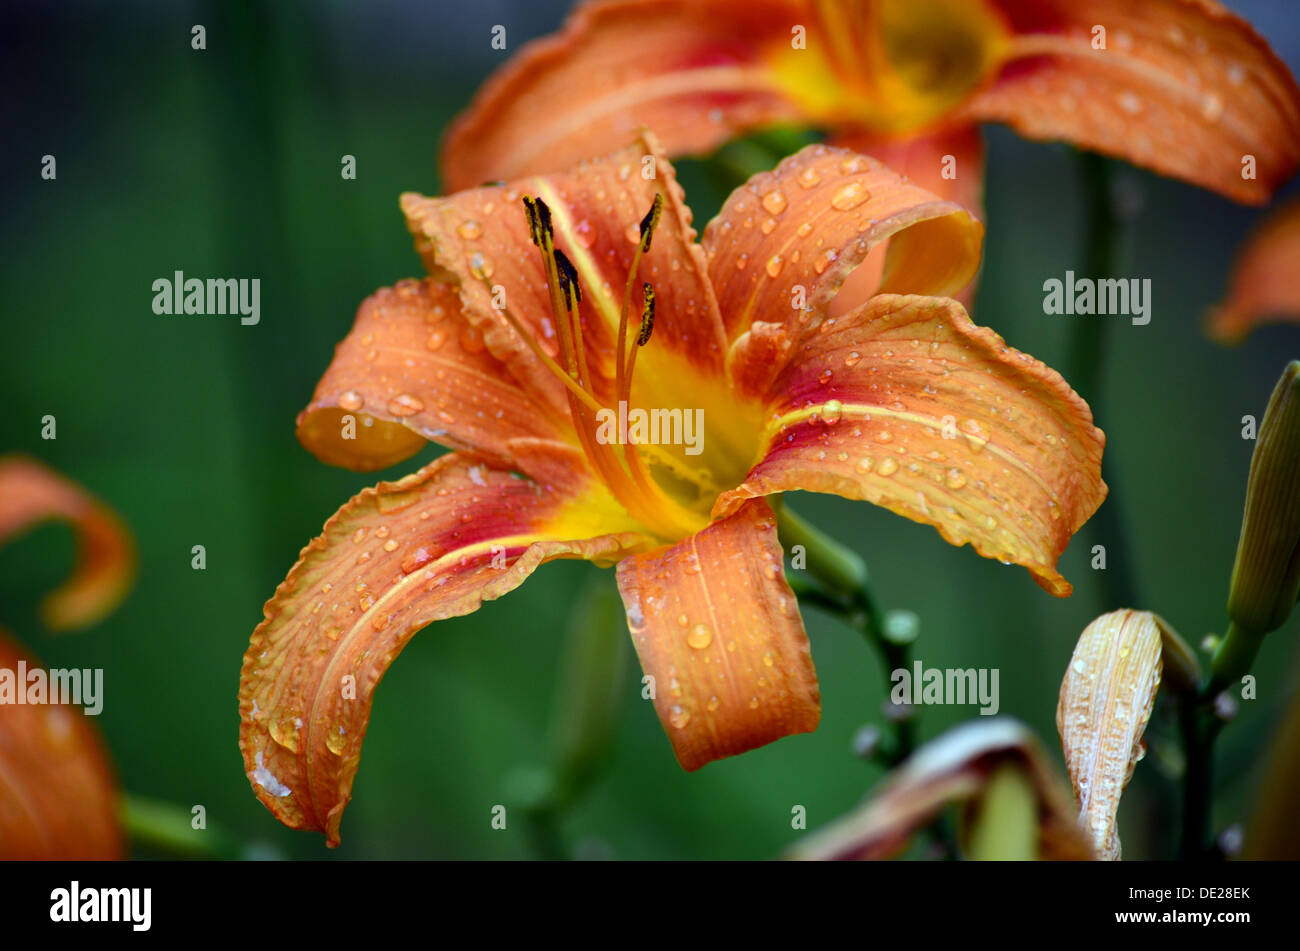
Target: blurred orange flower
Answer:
pixel 58 797
pixel 1183 87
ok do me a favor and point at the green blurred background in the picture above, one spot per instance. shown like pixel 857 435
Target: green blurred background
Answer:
pixel 226 162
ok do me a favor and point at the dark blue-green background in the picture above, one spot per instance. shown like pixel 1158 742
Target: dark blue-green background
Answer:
pixel 226 162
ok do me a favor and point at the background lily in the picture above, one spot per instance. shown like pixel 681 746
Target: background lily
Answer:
pixel 529 327
pixel 59 797
pixel 1183 87
pixel 1264 284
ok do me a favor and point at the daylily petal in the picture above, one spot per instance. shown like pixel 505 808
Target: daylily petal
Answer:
pixel 31 493
pixel 413 369
pixel 434 545
pixel 1265 281
pixel 948 163
pixel 718 628
pixel 953 768
pixel 1184 87
pixel 907 404
pixel 696 73
pixel 784 244
pixel 57 790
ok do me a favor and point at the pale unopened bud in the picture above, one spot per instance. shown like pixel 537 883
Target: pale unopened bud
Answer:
pixel 1106 700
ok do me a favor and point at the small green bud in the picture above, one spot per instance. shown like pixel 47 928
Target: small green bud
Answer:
pixel 1266 574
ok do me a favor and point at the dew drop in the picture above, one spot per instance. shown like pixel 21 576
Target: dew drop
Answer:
pixel 824 377
pixel 470 230
pixel 404 404
pixel 853 359
pixel 417 559
pixel 849 197
pixel 809 177
pixel 351 401
pixel 954 479
pixel 390 545
pixel 888 466
pixel 335 741
pixel 480 265
pixel 774 265
pixel 701 636
pixel 678 717
pixel 436 340
pixel 976 434
pixel 832 412
pixel 774 201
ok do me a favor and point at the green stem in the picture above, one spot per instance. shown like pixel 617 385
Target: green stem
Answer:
pixel 167 827
pixel 841 586
pixel 1084 365
pixel 1199 726
pixel 1233 658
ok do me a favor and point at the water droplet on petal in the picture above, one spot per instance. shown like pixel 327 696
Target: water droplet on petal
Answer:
pixel 888 466
pixel 417 559
pixel 809 177
pixel 335 741
pixel 774 201
pixel 853 359
pixel 849 197
pixel 436 340
pixel 678 717
pixel 480 265
pixel 404 404
pixel 351 401
pixel 700 637
pixel 975 433
pixel 470 230
pixel 586 234
pixel 774 265
pixel 832 412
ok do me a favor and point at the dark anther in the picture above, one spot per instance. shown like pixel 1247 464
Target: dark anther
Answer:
pixel 568 277
pixel 647 316
pixel 650 221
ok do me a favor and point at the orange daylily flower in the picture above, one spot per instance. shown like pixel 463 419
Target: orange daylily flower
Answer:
pixel 1265 281
pixel 558 303
pixel 1183 87
pixel 58 797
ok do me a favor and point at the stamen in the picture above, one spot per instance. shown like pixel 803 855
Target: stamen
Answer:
pixel 651 221
pixel 622 383
pixel 620 466
pixel 647 316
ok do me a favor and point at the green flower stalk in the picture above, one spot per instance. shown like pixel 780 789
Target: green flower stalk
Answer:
pixel 1266 575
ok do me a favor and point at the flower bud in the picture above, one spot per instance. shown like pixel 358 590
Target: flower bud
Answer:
pixel 1266 575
